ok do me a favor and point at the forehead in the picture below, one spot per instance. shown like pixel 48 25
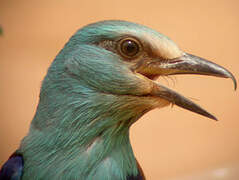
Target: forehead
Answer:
pixel 160 44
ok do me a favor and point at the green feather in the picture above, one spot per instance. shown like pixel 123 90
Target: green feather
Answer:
pixel 87 104
pixel 1 31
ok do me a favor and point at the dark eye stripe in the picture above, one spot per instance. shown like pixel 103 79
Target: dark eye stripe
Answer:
pixel 108 45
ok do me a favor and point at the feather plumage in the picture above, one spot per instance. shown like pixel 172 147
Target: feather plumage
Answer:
pixel 91 96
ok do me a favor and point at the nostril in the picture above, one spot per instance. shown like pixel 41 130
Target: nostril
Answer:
pixel 174 61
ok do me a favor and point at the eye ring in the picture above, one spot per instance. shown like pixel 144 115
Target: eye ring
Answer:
pixel 129 48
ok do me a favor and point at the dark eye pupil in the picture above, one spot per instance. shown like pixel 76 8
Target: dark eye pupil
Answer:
pixel 130 48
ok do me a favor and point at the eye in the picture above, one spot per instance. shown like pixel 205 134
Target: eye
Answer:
pixel 129 47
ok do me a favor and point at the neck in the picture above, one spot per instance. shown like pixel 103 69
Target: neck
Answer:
pixel 105 156
pixel 87 138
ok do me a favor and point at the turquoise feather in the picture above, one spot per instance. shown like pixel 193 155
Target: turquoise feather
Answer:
pixel 81 127
pixel 94 90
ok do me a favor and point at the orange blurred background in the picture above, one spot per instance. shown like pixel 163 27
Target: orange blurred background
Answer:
pixel 170 143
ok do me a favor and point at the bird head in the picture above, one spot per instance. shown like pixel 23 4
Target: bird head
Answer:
pixel 123 58
pixel 108 70
pixel 101 82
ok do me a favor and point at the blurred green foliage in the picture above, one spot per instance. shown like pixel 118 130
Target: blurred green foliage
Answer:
pixel 1 31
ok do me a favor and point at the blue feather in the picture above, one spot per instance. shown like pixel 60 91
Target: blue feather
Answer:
pixel 12 169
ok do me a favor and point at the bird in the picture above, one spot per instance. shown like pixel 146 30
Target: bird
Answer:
pixel 101 82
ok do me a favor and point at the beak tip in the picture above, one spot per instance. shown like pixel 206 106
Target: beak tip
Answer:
pixel 230 75
pixel 208 115
pixel 235 85
pixel 214 118
pixel 234 82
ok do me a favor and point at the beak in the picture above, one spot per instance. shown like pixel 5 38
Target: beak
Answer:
pixel 190 64
pixel 179 100
pixel 186 64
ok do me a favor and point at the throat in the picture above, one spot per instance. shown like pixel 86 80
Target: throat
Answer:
pixel 107 156
pixel 88 138
pixel 111 156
